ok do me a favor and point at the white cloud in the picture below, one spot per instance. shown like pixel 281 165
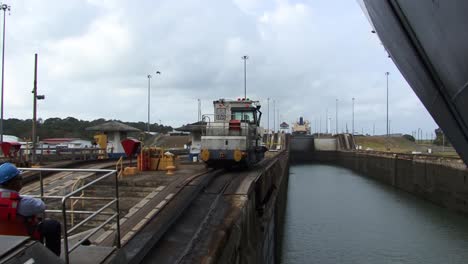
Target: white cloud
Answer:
pixel 94 57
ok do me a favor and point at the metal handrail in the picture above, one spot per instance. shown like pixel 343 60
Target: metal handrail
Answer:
pixel 119 167
pixel 81 181
pixel 73 195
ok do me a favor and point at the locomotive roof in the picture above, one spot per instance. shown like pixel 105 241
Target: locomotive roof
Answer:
pixel 238 101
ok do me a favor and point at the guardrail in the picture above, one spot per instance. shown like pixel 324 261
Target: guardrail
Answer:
pixel 72 196
pixel 62 154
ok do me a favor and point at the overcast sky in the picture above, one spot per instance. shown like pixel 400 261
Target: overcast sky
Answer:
pixel 95 55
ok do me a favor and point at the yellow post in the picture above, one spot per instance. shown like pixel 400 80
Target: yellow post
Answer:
pixel 101 140
pixel 170 163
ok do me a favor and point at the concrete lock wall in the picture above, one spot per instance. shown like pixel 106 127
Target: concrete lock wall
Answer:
pixel 255 236
pixel 443 183
pixel 325 144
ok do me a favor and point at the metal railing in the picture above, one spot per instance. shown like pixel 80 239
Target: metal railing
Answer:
pixel 221 128
pixel 43 154
pixel 73 196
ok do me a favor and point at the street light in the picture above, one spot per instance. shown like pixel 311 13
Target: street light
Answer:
pixel 388 132
pixel 245 57
pixel 336 112
pixel 326 121
pixel 3 7
pixel 274 116
pixel 149 89
pixel 352 125
pixel 199 110
pixel 268 116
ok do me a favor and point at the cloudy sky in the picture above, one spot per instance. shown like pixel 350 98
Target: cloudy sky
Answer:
pixel 95 55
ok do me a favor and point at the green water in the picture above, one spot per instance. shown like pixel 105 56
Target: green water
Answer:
pixel 334 215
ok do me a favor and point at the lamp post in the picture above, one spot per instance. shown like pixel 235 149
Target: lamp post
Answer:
pixel 149 101
pixel 336 112
pixel 352 125
pixel 245 57
pixel 149 86
pixel 326 120
pixel 388 132
pixel 199 111
pixel 274 116
pixel 3 7
pixel 268 115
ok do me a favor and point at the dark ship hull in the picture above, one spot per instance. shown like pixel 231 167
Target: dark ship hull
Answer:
pixel 428 41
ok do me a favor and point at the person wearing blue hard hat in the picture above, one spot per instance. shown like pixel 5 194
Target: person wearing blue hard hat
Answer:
pixel 20 214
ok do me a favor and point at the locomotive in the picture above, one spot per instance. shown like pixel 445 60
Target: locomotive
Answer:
pixel 232 136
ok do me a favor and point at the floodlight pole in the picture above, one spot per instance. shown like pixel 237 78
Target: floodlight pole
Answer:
pixel 245 57
pixel 353 119
pixel 268 115
pixel 336 124
pixel 149 92
pixel 388 131
pixel 149 100
pixel 3 7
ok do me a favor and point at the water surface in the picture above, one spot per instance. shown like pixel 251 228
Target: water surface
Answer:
pixel 334 215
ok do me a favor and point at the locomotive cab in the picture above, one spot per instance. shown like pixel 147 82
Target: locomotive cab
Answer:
pixel 233 136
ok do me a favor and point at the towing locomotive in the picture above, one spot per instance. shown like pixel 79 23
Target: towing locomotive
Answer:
pixel 232 136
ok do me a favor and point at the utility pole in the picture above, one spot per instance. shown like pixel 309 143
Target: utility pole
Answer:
pixel 34 122
pixel 389 127
pixel 353 119
pixel 149 95
pixel 320 126
pixel 268 115
pixel 4 7
pixel 199 110
pixel 373 129
pixel 149 100
pixel 245 57
pixel 274 116
pixel 336 128
pixel 419 137
pixel 388 131
pixel 278 116
pixel 326 120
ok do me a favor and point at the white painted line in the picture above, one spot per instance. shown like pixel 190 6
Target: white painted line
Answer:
pixel 160 188
pixel 151 214
pixel 128 236
pixel 140 225
pixel 152 195
pixel 169 196
pixel 161 204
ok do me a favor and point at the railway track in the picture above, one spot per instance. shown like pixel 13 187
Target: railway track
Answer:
pixel 205 191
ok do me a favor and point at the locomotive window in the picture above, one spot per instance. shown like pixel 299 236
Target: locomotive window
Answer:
pixel 220 114
pixel 246 116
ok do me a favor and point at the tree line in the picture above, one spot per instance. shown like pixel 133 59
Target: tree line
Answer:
pixel 69 127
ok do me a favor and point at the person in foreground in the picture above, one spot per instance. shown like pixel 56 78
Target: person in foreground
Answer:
pixel 20 215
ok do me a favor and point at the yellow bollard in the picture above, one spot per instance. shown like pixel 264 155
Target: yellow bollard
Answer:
pixel 170 163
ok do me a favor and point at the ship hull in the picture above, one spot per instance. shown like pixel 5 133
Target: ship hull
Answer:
pixel 428 42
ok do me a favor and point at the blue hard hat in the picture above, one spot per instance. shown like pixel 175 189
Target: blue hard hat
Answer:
pixel 7 172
